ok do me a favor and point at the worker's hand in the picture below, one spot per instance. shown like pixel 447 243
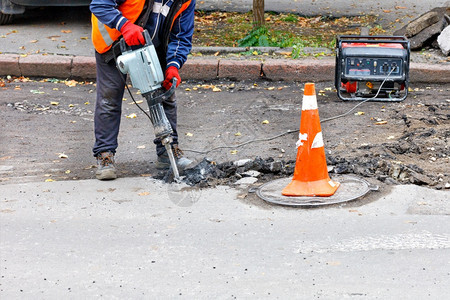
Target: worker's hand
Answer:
pixel 132 34
pixel 171 72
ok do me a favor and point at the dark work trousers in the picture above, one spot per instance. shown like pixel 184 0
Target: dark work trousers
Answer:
pixel 108 109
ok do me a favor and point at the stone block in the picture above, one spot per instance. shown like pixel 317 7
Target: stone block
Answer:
pixel 199 69
pixel 238 69
pixel 304 70
pixel 427 35
pixel 444 41
pixel 421 23
pixel 84 67
pixel 46 66
pixel 9 65
pixel 429 73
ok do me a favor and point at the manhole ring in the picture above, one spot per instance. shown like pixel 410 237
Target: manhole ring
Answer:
pixel 351 188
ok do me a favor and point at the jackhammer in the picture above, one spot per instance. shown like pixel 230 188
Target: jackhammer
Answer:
pixel 146 74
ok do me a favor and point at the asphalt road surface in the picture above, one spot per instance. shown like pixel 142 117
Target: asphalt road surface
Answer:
pixel 66 31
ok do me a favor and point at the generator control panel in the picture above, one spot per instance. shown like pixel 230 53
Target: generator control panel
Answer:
pixel 364 66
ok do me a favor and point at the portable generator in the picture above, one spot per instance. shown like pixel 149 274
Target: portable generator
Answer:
pixel 374 68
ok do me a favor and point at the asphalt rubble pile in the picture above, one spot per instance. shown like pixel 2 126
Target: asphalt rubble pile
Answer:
pixel 431 29
pixel 247 172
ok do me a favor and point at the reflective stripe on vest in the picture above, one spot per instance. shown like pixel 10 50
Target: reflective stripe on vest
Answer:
pixel 102 36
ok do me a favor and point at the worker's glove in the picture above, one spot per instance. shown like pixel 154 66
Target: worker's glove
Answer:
pixel 171 72
pixel 132 34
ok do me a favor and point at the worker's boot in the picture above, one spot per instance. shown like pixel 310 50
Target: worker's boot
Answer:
pixel 163 161
pixel 105 166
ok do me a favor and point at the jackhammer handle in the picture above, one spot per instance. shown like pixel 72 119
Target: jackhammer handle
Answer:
pixel 124 47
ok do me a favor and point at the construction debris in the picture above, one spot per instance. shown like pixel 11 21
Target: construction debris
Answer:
pixel 425 30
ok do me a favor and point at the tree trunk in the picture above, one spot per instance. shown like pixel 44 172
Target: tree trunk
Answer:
pixel 258 13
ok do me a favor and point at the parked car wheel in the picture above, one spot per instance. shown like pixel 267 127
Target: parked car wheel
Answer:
pixel 5 18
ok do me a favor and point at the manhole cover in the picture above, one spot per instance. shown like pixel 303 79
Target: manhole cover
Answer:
pixel 351 188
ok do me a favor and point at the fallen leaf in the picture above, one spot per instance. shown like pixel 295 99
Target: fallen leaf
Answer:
pixel 386 11
pixel 54 103
pixel 62 155
pixel 381 123
pixel 66 31
pixel 84 38
pixel 144 194
pixel 86 103
pixel 141 147
pixel 217 53
pixel 70 83
pixel 49 180
pixel 233 152
pixel 67 172
pixel 137 102
pixel 71 105
pixel 33 41
pixel 359 113
pixel 265 122
pixel 237 134
pixel 187 89
pixel 189 134
pixel 131 116
pixel 216 89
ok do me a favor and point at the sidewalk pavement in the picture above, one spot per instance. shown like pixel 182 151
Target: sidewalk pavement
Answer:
pixel 210 67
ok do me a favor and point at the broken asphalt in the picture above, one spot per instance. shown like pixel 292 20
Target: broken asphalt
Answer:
pixel 139 237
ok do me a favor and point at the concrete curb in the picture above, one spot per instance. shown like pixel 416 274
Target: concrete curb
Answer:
pixel 208 68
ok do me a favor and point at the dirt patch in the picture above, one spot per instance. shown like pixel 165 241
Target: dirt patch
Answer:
pixel 227 122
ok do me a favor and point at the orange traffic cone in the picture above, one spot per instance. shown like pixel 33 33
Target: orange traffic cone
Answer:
pixel 310 174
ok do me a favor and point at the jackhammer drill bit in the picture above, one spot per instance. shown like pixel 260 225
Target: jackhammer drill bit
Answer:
pixel 173 163
pixel 161 125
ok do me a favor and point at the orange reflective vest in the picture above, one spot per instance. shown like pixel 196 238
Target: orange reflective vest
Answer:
pixel 103 37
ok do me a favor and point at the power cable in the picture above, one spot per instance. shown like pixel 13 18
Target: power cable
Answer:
pixel 291 131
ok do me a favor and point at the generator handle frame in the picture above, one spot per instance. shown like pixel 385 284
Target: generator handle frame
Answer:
pixel 375 39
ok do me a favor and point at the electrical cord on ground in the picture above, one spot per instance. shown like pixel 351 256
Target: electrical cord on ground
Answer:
pixel 292 131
